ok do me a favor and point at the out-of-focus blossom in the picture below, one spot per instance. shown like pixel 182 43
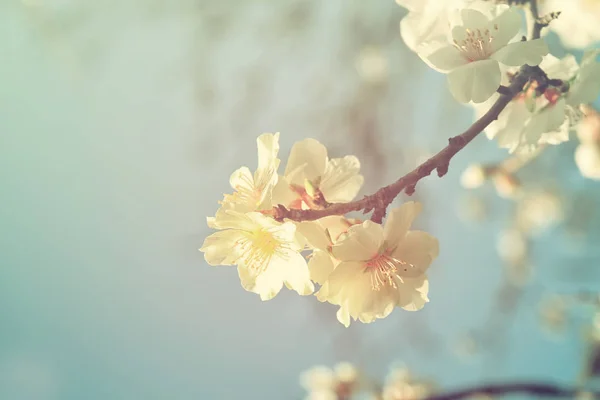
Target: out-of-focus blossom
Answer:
pixel 479 46
pixel 587 158
pixel 507 185
pixel 401 385
pixel 512 246
pixel 323 383
pixel 553 313
pixel 372 65
pixel 473 176
pixel 538 210
pixel 577 25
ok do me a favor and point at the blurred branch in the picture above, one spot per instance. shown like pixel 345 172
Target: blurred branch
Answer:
pixel 536 389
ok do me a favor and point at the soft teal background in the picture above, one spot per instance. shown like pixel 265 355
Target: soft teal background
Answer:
pixel 120 122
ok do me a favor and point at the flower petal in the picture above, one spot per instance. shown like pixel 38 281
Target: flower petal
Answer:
pixel 296 273
pixel 547 120
pixel 362 243
pixel 314 234
pixel 308 155
pixel 412 293
pixel 505 27
pixel 530 52
pixel 320 266
pixel 343 275
pixel 219 248
pixel 476 81
pixel 268 147
pixel 473 19
pixel 399 221
pixel 586 87
pixel 446 59
pixel 417 250
pixel 341 181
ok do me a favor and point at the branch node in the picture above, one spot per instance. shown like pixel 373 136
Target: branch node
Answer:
pixel 410 189
pixel 442 169
pixel 504 90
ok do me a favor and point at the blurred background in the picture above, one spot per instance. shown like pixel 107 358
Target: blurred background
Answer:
pixel 120 123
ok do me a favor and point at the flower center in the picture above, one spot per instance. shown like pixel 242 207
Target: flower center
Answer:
pixel 257 248
pixel 477 45
pixel 383 269
pixel 247 193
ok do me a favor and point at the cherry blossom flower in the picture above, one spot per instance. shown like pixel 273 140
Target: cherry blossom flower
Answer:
pixel 428 22
pixel 253 192
pixel 577 25
pixel 265 251
pixel 312 178
pixel 381 268
pixel 323 383
pixel 531 120
pixel 587 158
pixel 479 46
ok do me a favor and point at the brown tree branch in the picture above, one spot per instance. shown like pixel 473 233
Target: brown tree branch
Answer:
pixel 537 389
pixel 380 200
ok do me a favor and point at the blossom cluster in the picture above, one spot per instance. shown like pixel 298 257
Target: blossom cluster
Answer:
pixel 480 45
pixel 365 268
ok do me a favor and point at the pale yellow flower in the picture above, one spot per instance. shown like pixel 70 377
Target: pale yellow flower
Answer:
pixel 253 192
pixel 265 251
pixel 323 383
pixel 310 173
pixel 381 268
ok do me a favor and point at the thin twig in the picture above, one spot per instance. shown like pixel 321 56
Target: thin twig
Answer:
pixel 532 388
pixel 379 201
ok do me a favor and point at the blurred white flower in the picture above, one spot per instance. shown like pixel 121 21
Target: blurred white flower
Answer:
pixel 480 45
pixel 512 246
pixel 372 65
pixel 324 383
pixel 588 130
pixel 400 385
pixel 265 251
pixel 587 158
pixel 473 176
pixel 381 268
pixel 538 210
pixel 577 25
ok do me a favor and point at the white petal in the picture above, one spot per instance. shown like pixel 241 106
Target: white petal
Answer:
pixel 476 81
pixel 473 19
pixel 219 248
pixel 268 147
pixel 362 243
pixel 341 181
pixel 586 87
pixel 564 68
pixel 587 158
pixel 516 117
pixel 530 52
pixel 417 250
pixel 343 275
pixel 315 234
pixel 399 221
pixel 413 293
pixel 320 266
pixel 310 156
pixel 296 274
pixel 547 120
pixel 446 59
pixel 242 179
pixel 508 25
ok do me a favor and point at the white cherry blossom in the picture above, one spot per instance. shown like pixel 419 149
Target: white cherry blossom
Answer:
pixel 577 25
pixel 587 158
pixel 531 120
pixel 310 174
pixel 265 251
pixel 479 46
pixel 381 268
